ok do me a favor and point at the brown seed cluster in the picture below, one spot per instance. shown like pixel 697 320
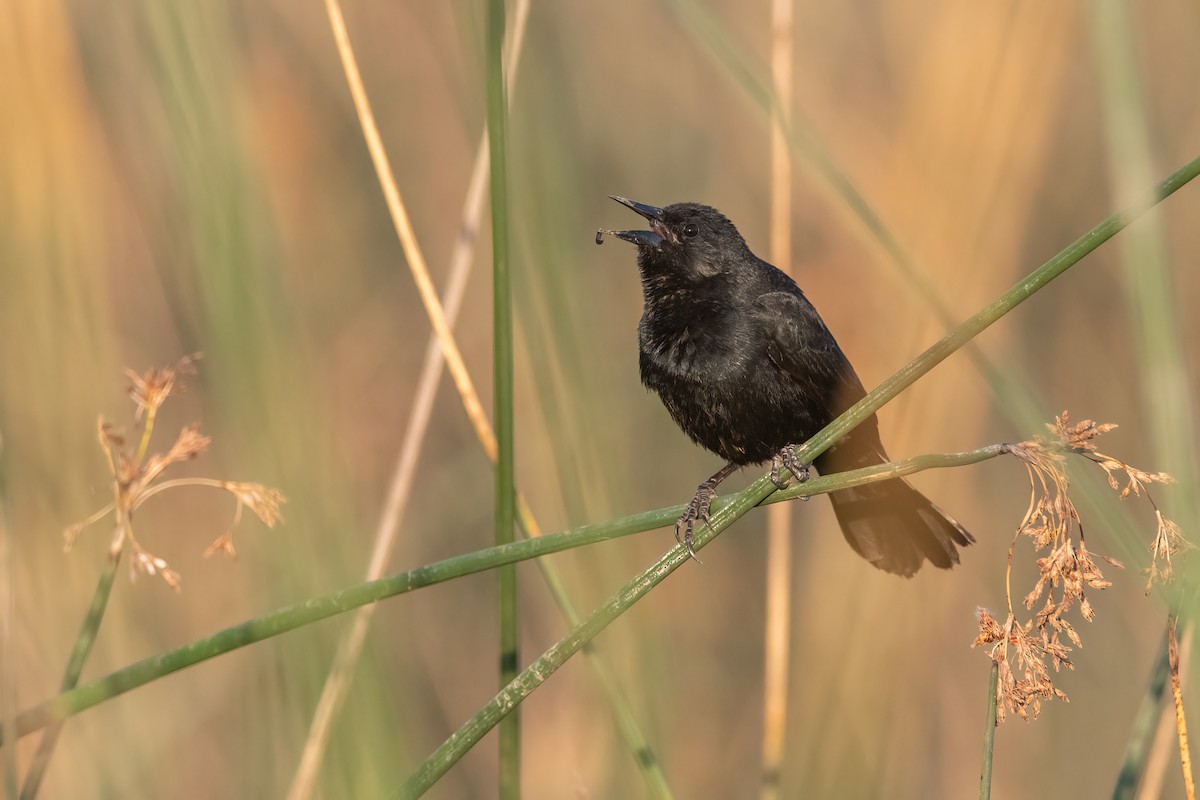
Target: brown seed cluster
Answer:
pixel 1030 650
pixel 137 476
pixel 1025 652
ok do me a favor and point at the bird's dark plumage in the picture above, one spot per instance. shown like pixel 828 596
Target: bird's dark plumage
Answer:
pixel 747 368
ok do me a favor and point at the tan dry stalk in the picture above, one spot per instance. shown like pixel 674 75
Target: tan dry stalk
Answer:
pixel 1185 758
pixel 408 240
pixel 777 625
pixel 1151 787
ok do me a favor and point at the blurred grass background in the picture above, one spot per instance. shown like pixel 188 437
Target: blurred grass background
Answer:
pixel 191 176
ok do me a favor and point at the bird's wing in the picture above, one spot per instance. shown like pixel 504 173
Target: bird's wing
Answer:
pixel 801 346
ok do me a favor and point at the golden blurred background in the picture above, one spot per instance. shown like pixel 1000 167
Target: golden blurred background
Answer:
pixel 191 176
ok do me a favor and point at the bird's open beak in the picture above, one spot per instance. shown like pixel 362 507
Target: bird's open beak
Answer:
pixel 649 212
pixel 651 238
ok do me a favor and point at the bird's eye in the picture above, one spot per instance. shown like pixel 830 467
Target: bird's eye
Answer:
pixel 690 230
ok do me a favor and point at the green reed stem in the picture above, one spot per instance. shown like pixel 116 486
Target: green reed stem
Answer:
pixel 497 121
pixel 80 650
pixel 989 734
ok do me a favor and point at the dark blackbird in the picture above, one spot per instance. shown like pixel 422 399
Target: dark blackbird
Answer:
pixel 746 366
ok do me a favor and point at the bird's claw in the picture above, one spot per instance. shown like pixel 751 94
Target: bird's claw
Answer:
pixel 787 458
pixel 696 511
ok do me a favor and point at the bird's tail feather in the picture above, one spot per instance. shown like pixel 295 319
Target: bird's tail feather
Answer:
pixel 896 528
pixel 890 523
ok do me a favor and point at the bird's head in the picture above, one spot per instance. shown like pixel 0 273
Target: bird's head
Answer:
pixel 685 239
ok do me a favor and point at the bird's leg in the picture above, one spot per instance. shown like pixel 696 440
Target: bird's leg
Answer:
pixel 787 457
pixel 698 508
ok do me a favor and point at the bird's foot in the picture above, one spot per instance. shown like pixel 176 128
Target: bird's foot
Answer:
pixel 787 458
pixel 696 511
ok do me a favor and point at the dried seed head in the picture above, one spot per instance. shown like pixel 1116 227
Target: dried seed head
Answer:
pixel 1066 568
pixel 71 534
pixel 1080 435
pixel 990 630
pixel 1023 690
pixel 136 478
pixel 262 500
pixel 150 564
pixel 1168 543
pixel 190 444
pixel 223 544
pixel 151 389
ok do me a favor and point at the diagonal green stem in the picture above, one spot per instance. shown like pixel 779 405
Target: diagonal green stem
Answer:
pixel 626 720
pixel 319 608
pixel 80 651
pixel 536 673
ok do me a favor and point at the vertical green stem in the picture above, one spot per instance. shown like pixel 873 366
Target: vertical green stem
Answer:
pixel 989 734
pixel 510 732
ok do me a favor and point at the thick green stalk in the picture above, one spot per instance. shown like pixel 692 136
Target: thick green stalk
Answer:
pixel 511 695
pixel 502 362
pixel 989 734
pixel 319 608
